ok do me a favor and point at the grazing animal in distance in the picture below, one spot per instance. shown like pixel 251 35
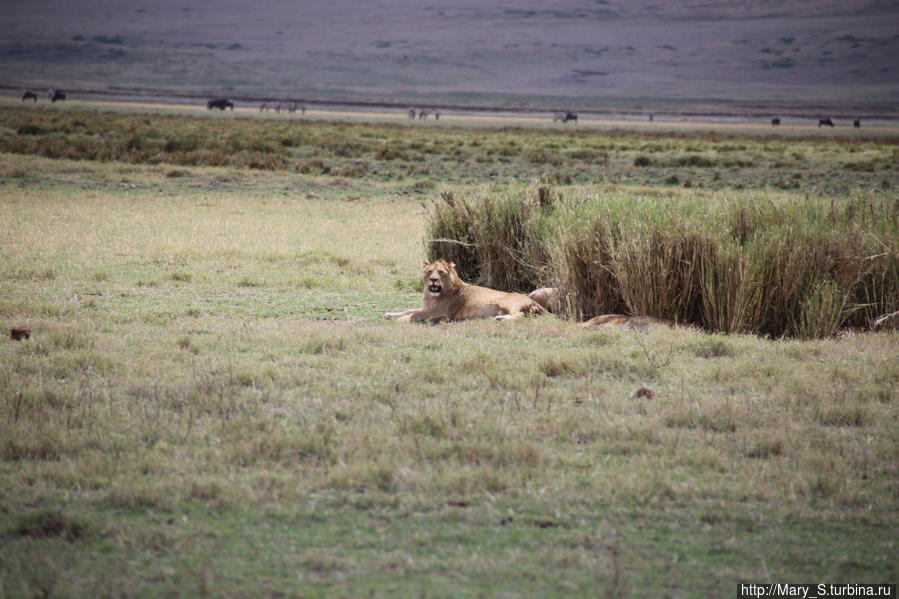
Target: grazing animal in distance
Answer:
pixel 828 121
pixel 263 107
pixel 775 121
pixel 436 115
pixel 411 113
pixel 56 94
pixel 29 95
pixel 446 298
pixel 565 117
pixel 220 103
pixel 423 114
pixel 857 123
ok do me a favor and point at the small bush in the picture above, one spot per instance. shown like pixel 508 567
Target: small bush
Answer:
pixel 642 161
pixel 179 276
pixel 391 153
pixel 31 129
pixel 711 347
pixel 695 160
pixel 313 167
pixel 357 169
pixel 866 166
pixel 544 157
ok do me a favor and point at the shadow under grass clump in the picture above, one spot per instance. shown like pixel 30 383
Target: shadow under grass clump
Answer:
pixel 51 524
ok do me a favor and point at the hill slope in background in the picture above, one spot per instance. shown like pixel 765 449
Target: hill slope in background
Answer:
pixel 650 54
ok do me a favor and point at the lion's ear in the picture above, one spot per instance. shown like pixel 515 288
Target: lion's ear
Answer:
pixel 424 265
pixel 452 265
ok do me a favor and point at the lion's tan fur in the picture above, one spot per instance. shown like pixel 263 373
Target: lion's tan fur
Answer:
pixel 624 321
pixel 547 297
pixel 458 300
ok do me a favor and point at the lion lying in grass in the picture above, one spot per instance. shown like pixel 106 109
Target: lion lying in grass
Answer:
pixel 548 298
pixel 447 297
pixel 625 321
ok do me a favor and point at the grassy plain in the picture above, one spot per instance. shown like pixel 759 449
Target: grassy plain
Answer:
pixel 466 149
pixel 211 404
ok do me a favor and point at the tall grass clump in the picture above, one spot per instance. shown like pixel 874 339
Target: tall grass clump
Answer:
pixel 494 237
pixel 793 266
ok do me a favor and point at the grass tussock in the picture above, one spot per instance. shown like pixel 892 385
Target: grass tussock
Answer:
pixel 491 237
pixel 51 523
pixel 762 264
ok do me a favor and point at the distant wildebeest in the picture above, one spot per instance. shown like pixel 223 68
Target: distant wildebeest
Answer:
pixel 411 113
pixel 263 107
pixel 652 117
pixel 775 121
pixel 828 121
pixel 220 103
pixel 565 117
pixel 857 123
pixel 436 115
pixel 423 114
pixel 56 94
pixel 29 95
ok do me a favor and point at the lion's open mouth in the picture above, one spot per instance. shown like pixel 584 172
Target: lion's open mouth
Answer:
pixel 435 289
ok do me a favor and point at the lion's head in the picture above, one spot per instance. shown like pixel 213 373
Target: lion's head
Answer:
pixel 440 278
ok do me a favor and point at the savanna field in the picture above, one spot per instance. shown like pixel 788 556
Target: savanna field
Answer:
pixel 211 403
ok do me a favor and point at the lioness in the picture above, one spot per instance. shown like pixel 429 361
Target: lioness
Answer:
pixel 447 297
pixel 547 297
pixel 623 321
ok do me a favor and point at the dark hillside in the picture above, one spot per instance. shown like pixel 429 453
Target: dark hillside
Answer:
pixel 580 53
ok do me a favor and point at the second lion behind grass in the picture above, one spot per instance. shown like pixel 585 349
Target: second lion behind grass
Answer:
pixel 447 297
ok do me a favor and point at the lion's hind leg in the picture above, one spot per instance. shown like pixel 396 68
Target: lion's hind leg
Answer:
pixel 417 315
pixel 534 308
pixel 403 316
pixel 428 316
pixel 519 311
